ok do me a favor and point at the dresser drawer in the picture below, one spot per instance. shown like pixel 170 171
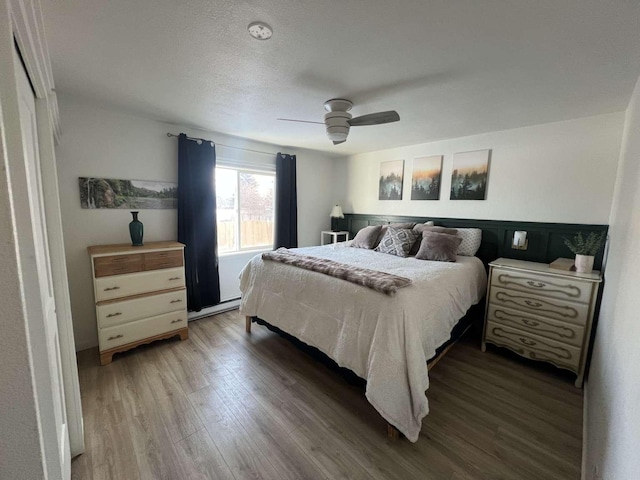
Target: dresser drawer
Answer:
pixel 534 347
pixel 108 288
pixel 166 259
pixel 117 264
pixel 545 285
pixel 115 336
pixel 547 307
pixel 116 313
pixel 545 327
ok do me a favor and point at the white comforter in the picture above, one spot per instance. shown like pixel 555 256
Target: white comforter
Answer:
pixel 385 340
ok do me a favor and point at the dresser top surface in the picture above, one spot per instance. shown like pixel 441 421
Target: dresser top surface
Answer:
pixel 124 248
pixel 594 276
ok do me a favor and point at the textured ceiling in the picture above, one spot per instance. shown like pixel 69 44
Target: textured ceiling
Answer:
pixel 449 67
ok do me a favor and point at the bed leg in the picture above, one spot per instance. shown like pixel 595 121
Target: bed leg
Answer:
pixel 247 325
pixel 392 432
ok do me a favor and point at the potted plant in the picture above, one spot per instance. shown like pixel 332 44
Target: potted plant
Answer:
pixel 585 249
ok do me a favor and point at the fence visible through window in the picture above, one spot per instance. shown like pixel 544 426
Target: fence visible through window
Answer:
pixel 245 209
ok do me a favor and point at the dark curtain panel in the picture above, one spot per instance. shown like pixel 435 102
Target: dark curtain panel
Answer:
pixel 286 202
pixel 197 221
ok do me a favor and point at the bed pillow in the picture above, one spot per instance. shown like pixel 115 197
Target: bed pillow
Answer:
pixel 402 225
pixel 397 241
pixel 441 247
pixel 367 237
pixel 423 227
pixel 471 239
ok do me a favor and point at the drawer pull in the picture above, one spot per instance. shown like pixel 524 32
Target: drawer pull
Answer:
pixel 533 304
pixel 115 337
pixel 533 284
pixel 178 320
pixel 114 314
pixel 531 323
pixel 526 341
pixel 175 301
pixel 174 278
pixel 111 288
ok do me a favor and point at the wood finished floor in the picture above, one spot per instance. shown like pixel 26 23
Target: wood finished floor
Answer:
pixel 224 405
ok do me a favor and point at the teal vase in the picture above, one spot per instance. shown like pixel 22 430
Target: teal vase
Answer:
pixel 136 230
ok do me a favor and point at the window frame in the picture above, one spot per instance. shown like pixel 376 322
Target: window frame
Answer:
pixel 238 228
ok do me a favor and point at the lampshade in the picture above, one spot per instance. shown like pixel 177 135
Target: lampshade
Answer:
pixel 336 212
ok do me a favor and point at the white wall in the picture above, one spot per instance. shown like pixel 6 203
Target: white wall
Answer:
pixel 100 142
pixel 613 387
pixel 556 172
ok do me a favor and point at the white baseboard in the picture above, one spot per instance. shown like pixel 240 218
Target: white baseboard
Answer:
pixel 221 307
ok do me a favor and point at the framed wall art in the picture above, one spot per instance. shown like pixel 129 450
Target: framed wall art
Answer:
pixel 469 175
pixel 426 178
pixel 391 177
pixel 127 194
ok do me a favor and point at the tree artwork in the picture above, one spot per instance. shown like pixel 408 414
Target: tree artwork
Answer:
pixel 127 194
pixel 425 180
pixel 469 177
pixel 391 178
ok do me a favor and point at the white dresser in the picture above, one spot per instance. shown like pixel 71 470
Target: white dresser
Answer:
pixel 140 295
pixel 541 313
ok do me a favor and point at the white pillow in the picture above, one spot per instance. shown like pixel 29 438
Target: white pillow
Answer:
pixel 471 239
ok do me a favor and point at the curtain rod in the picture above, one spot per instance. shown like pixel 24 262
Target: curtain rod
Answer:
pixel 195 139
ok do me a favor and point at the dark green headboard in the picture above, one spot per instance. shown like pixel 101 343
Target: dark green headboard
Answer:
pixel 546 242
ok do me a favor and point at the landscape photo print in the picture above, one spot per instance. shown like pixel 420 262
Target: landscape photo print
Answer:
pixel 127 194
pixel 425 179
pixel 470 174
pixel 390 184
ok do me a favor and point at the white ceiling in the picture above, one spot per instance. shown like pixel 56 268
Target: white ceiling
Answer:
pixel 449 67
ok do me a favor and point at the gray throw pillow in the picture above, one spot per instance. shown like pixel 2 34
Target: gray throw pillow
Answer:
pixel 397 241
pixel 440 247
pixel 402 225
pixel 367 237
pixel 421 227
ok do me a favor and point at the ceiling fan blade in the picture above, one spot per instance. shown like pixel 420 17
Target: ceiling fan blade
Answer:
pixel 300 121
pixel 375 118
pixel 338 143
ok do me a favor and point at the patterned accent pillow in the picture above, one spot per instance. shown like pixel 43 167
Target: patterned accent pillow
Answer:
pixel 471 239
pixel 367 237
pixel 397 241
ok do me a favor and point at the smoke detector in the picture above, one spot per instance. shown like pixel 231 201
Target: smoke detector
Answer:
pixel 260 31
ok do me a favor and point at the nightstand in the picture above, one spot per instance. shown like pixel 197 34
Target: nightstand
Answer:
pixel 334 235
pixel 541 313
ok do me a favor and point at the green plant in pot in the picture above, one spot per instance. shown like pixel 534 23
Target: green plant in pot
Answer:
pixel 585 249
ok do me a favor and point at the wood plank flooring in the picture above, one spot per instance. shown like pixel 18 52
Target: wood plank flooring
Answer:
pixel 227 405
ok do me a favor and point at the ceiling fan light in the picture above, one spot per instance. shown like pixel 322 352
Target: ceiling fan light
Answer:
pixel 337 133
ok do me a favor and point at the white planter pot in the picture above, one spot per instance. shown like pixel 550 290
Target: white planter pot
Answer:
pixel 584 263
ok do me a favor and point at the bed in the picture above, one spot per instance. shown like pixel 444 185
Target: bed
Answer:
pixel 383 339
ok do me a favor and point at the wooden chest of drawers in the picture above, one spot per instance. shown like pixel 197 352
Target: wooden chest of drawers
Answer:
pixel 140 295
pixel 541 313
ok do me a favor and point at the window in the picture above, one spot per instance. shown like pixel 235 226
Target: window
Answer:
pixel 245 209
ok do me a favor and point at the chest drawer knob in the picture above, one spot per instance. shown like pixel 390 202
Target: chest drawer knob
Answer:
pixel 527 342
pixel 115 337
pixel 174 278
pixel 111 288
pixel 533 284
pixel 114 314
pixel 531 323
pixel 178 320
pixel 176 301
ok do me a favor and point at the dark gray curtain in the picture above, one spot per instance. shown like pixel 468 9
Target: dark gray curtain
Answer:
pixel 286 202
pixel 197 221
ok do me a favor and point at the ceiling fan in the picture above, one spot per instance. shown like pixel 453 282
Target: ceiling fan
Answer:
pixel 338 120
